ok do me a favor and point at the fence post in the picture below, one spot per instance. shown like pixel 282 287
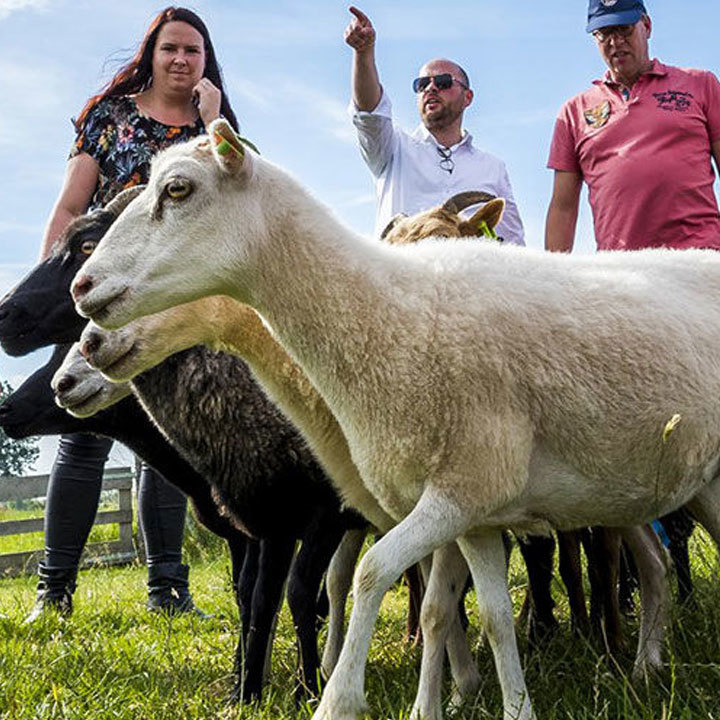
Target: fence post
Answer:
pixel 140 536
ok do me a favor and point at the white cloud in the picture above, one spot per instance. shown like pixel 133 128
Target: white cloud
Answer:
pixel 21 82
pixel 258 94
pixel 8 7
pixel 323 108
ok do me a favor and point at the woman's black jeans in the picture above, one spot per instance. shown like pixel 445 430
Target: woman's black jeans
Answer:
pixel 72 502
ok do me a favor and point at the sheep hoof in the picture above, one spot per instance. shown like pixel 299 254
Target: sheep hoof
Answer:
pixel 339 708
pixel 646 670
pixel 419 713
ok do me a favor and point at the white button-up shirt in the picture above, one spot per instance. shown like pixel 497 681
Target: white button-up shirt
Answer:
pixel 409 177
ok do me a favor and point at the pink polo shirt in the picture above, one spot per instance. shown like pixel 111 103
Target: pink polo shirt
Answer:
pixel 647 159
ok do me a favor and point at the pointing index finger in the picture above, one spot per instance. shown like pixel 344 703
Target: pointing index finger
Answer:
pixel 360 15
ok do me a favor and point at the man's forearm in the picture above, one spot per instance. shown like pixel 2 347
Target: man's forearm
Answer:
pixel 366 88
pixel 560 229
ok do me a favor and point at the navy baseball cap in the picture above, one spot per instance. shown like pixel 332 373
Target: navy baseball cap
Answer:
pixel 602 13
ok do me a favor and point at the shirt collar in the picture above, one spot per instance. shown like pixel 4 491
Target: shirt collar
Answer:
pixel 656 68
pixel 424 135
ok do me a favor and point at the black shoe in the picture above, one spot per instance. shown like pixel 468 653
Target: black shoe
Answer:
pixel 168 590
pixel 62 606
pixel 54 592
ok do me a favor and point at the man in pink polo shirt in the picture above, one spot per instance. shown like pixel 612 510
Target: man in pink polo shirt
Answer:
pixel 642 138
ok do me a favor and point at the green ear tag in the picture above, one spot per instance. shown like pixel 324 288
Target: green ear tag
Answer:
pixel 487 231
pixel 224 147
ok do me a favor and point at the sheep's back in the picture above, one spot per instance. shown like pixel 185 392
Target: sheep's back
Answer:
pixel 214 413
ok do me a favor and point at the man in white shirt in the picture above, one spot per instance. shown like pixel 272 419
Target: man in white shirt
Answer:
pixel 415 171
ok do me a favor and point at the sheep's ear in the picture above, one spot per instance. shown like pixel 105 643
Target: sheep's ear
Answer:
pixel 488 216
pixel 228 151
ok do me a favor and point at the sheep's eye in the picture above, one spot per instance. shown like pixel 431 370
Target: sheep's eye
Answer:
pixel 178 188
pixel 88 247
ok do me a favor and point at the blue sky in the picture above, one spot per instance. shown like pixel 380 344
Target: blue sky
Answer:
pixel 287 71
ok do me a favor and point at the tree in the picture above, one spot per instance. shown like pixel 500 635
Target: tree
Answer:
pixel 15 455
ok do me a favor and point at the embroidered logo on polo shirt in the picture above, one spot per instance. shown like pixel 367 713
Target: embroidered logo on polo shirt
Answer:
pixel 608 3
pixel 597 116
pixel 673 100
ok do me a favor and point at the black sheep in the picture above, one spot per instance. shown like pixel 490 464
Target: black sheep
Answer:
pixel 286 472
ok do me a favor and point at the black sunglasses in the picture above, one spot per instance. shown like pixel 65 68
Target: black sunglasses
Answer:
pixel 443 81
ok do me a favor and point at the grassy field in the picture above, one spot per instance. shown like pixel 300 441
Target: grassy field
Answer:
pixel 112 659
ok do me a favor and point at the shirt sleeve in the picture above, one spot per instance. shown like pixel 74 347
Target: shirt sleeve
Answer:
pixel 563 155
pixel 95 136
pixel 376 134
pixel 510 227
pixel 713 107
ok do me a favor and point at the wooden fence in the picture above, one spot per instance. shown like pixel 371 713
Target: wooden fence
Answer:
pixel 113 552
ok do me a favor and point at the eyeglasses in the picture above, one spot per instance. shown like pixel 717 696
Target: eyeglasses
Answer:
pixel 446 161
pixel 604 34
pixel 443 81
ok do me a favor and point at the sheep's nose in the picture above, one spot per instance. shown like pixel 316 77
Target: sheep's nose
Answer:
pixel 90 344
pixel 81 287
pixel 65 384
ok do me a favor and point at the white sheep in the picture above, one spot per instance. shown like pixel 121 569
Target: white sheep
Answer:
pixel 478 387
pixel 224 324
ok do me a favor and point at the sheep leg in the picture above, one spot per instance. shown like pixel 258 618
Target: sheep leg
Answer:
pixel 705 507
pixel 603 566
pixel 571 574
pixel 237 545
pixel 465 674
pixel 485 556
pixel 537 552
pixel 654 594
pixel 439 619
pixel 245 586
pixel 433 522
pixel 595 573
pixel 627 581
pixel 275 557
pixel 338 581
pixel 416 591
pixel 319 543
pixel 679 527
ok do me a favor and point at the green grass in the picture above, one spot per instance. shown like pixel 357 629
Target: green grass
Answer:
pixel 112 659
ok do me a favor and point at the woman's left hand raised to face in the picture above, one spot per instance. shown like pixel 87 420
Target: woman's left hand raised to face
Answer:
pixel 208 100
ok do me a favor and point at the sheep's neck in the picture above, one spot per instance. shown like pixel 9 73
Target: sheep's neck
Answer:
pixel 243 333
pixel 332 319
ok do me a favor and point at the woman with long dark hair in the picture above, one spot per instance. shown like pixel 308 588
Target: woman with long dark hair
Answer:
pixel 167 93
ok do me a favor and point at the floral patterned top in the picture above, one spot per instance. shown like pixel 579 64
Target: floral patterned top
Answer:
pixel 124 141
